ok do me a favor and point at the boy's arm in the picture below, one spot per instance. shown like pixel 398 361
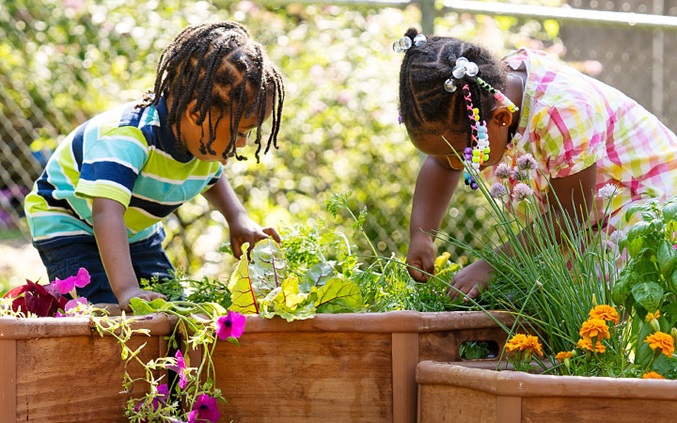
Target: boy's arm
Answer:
pixel 242 229
pixel 111 237
pixel 435 186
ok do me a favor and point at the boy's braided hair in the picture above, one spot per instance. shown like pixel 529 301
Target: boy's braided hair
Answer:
pixel 424 70
pixel 220 66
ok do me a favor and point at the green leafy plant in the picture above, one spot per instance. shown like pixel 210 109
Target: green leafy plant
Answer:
pixel 559 284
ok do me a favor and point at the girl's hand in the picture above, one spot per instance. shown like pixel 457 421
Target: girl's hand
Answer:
pixel 125 296
pixel 246 230
pixel 471 280
pixel 421 257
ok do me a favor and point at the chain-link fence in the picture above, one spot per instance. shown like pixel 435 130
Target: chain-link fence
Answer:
pixel 61 61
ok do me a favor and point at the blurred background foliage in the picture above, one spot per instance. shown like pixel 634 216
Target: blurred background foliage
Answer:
pixel 62 61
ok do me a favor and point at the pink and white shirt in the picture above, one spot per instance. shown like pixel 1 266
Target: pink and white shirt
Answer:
pixel 570 121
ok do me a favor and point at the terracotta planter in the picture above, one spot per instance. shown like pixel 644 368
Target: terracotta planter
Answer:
pixel 61 370
pixel 453 392
pixel 340 367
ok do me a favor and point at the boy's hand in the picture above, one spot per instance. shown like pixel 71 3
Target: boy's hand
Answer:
pixel 421 257
pixel 125 296
pixel 246 230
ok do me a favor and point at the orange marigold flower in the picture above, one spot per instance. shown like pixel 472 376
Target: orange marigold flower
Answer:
pixel 594 328
pixel 605 312
pixel 652 375
pixel 650 316
pixel 586 344
pixel 661 340
pixel 563 355
pixel 522 342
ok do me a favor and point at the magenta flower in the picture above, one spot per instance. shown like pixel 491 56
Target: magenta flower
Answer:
pixel 74 307
pixel 67 285
pixel 161 397
pixel 181 369
pixel 205 409
pixel 230 325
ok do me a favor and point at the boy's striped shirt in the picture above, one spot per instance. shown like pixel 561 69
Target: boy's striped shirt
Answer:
pixel 127 154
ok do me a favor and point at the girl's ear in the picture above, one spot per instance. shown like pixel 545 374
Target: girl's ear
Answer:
pixel 502 117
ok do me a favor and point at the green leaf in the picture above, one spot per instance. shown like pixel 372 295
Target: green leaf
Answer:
pixel 635 238
pixel 339 295
pixel 142 307
pixel 666 258
pixel 648 295
pixel 242 295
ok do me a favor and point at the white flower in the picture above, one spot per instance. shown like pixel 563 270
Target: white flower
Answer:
pixel 607 192
pixel 522 192
pixel 497 190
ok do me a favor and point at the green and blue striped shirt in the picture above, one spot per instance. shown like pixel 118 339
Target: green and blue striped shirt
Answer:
pixel 127 154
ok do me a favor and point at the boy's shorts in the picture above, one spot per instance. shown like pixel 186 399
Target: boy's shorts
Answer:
pixel 148 259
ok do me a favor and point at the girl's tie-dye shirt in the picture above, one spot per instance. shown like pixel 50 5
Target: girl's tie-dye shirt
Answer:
pixel 570 121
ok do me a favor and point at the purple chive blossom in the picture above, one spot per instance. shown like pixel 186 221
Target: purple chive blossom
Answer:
pixel 230 325
pixel 205 409
pixel 67 285
pixel 503 171
pixel 526 162
pixel 498 190
pixel 522 192
pixel 607 192
pixel 518 174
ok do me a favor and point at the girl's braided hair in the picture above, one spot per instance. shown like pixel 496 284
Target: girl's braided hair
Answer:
pixel 219 64
pixel 424 70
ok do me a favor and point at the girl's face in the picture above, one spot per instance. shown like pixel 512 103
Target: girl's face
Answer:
pixel 448 142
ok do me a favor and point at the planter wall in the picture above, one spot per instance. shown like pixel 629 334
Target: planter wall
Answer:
pixel 340 367
pixel 61 370
pixel 458 393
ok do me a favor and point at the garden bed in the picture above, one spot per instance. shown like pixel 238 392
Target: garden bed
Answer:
pixel 461 392
pixel 341 367
pixel 61 369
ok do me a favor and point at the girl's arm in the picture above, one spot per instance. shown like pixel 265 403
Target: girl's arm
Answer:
pixel 435 186
pixel 576 196
pixel 242 229
pixel 111 238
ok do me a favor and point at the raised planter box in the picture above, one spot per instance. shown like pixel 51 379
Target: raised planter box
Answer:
pixel 455 392
pixel 61 370
pixel 340 367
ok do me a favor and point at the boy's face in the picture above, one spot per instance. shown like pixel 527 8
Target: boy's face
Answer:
pixel 193 135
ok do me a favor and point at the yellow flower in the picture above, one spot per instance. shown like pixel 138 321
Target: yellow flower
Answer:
pixel 563 355
pixel 586 344
pixel 650 316
pixel 594 328
pixel 522 342
pixel 605 312
pixel 652 375
pixel 661 340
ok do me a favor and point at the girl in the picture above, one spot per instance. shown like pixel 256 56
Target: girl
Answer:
pixel 101 198
pixel 456 100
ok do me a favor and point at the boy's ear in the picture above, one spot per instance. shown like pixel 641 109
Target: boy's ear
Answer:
pixel 502 116
pixel 192 113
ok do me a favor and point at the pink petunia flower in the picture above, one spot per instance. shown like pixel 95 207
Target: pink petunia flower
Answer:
pixel 205 409
pixel 76 307
pixel 67 285
pixel 230 325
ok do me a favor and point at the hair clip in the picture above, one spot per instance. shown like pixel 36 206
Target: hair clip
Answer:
pixel 405 43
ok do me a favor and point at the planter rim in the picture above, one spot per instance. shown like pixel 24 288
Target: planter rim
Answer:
pixel 57 327
pixel 510 383
pixel 404 321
